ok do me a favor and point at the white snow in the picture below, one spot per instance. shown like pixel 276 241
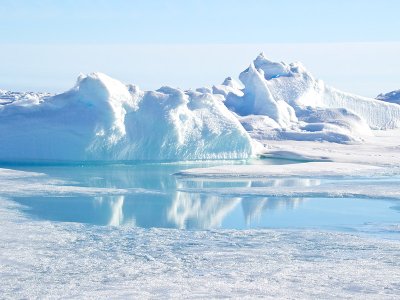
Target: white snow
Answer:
pixel 258 99
pixel 177 125
pixel 380 149
pixel 8 97
pixel 285 102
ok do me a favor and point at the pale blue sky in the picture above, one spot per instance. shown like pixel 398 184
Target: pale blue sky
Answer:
pixel 199 21
pixel 45 44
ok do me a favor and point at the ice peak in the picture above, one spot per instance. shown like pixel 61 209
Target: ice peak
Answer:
pixel 271 69
pixel 262 56
pixel 98 87
pixel 229 81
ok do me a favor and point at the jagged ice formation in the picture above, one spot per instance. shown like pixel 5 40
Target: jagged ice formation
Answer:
pixel 103 119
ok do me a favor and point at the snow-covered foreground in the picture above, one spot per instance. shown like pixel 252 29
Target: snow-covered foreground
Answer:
pixel 67 260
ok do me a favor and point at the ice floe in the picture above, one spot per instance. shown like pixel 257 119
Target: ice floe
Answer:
pixel 103 119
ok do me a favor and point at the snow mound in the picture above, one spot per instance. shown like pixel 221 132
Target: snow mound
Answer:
pixel 284 101
pixel 392 97
pixel 103 119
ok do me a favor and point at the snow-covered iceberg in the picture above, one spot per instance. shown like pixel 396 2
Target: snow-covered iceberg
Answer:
pixel 103 119
pixel 284 101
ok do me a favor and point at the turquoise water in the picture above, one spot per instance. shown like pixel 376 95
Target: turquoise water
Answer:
pixel 163 204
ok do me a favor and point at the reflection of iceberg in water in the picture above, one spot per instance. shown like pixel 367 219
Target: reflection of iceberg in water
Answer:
pixel 255 206
pixel 171 203
pixel 286 182
pixel 112 207
pixel 208 211
pixel 200 211
pixel 195 210
pixel 117 215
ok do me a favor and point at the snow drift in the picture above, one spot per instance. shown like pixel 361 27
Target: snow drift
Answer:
pixel 103 119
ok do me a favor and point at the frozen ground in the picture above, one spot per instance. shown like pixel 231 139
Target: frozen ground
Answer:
pixel 40 258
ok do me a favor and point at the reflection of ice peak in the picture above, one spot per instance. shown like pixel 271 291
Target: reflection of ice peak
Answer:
pixel 254 207
pixel 117 214
pixel 196 210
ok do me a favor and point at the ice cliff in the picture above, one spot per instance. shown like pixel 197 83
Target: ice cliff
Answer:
pixel 101 118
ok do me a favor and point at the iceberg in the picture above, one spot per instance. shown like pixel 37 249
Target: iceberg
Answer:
pixel 101 118
pixel 104 119
pixel 284 101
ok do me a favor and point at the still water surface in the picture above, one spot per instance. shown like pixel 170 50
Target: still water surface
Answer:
pixel 168 207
